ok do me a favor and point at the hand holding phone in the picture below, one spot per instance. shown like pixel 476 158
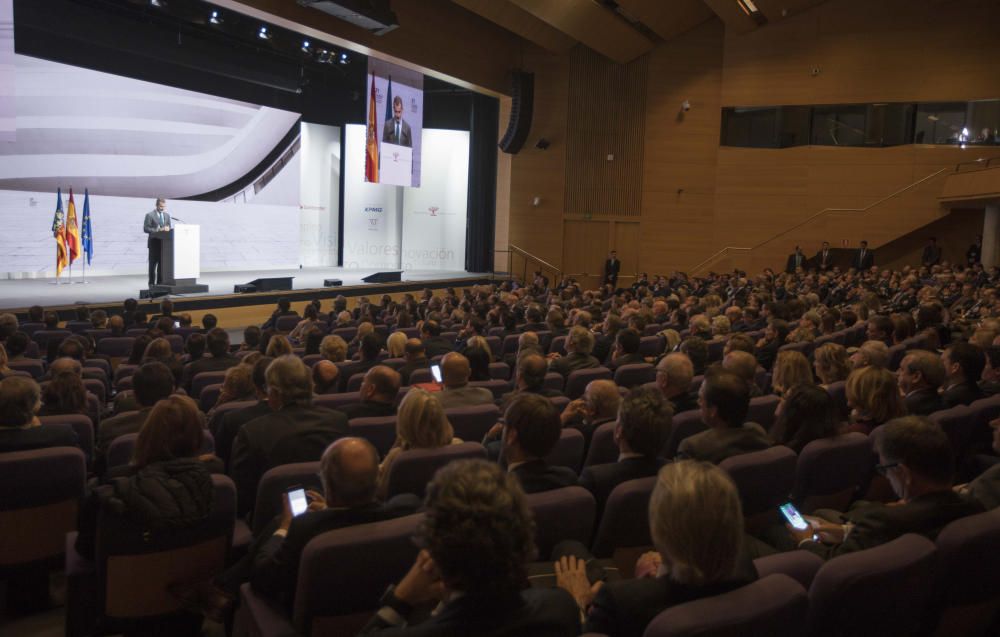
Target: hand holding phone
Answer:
pixel 436 372
pixel 297 501
pixel 793 516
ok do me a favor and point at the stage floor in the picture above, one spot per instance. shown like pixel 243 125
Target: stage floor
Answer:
pixel 22 293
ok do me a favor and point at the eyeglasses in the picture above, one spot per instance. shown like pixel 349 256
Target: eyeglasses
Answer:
pixel 884 468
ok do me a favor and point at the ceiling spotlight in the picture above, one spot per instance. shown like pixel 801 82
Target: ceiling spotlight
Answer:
pixel 159 4
pixel 263 34
pixel 344 59
pixel 323 56
pixel 305 46
pixel 214 18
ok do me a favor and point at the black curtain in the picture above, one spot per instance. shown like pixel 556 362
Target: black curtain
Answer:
pixel 483 135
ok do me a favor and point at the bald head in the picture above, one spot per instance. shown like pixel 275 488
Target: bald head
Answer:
pixel 381 384
pixel 65 364
pixel 455 370
pixel 603 398
pixel 531 372
pixel 674 374
pixel 325 375
pixel 349 469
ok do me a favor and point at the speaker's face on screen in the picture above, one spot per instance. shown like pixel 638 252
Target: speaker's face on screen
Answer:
pixel 397 111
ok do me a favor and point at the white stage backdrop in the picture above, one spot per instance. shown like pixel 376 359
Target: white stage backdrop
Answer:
pixel 434 215
pixel 7 75
pixel 372 215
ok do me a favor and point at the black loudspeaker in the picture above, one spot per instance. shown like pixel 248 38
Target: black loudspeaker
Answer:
pixel 266 285
pixel 382 277
pixel 522 104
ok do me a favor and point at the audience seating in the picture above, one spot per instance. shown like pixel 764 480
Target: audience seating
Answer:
pixel 333 401
pixel 896 355
pixel 651 346
pixel 31 366
pixel 285 324
pixel 176 343
pixel 686 423
pixel 830 471
pixel 776 606
pixel 958 423
pixel 82 426
pixel 496 345
pixel 603 448
pixel 413 469
pixel 346 333
pixel 510 344
pixel 204 379
pixel 838 392
pixel 624 523
pixel 578 380
pixel 559 402
pixel 499 371
pixel 45 337
pixel 209 396
pixel 125 589
pixel 800 565
pixel 273 485
pixel 568 451
pixel 562 514
pixel 764 479
pixel 342 575
pixel 497 386
pixel 121 448
pixel 762 410
pixel 472 423
pixel 635 374
pixel 417 377
pixel 40 495
pixel 558 345
pixel 878 591
pixel 354 382
pixel 967 591
pixel 378 430
pixel 554 380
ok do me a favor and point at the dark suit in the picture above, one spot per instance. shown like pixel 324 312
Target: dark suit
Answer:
pixel 931 255
pixel 41 437
pixel 625 359
pixel 985 489
pixel 572 362
pixel 961 394
pixel 206 364
pixel 823 260
pixel 611 269
pixel 537 476
pixel 795 260
pixel 601 479
pixel 150 223
pixel 535 612
pixel 367 409
pixel 405 137
pixel 715 445
pixel 295 433
pixel 876 523
pixel 863 259
pixel 767 354
pixel 227 427
pixel 410 367
pixel 923 402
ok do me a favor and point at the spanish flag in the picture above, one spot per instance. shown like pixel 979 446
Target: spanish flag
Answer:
pixel 59 232
pixel 371 156
pixel 72 230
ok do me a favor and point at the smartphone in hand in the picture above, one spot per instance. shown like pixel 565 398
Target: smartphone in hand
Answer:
pixel 298 501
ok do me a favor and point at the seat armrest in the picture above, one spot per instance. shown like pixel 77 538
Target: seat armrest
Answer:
pixel 259 617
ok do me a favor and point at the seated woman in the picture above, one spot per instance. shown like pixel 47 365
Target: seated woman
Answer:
pixel 20 430
pixel 831 363
pixel 278 345
pixel 65 395
pixel 873 398
pixel 805 413
pixel 420 424
pixel 170 486
pixel 237 385
pixel 696 522
pixel 396 345
pixel 311 314
pixel 791 369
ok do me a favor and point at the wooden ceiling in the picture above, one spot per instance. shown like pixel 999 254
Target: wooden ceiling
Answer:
pixel 621 30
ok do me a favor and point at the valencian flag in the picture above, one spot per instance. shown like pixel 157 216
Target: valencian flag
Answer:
pixel 371 156
pixel 59 232
pixel 88 233
pixel 72 230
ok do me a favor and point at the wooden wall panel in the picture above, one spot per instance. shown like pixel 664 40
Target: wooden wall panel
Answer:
pixel 605 120
pixel 585 249
pixel 626 243
pixel 954 233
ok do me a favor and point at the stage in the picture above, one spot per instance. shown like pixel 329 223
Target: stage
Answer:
pixel 18 294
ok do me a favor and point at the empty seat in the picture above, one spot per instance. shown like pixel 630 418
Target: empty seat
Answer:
pixel 967 591
pixel 634 375
pixel 568 451
pixel 378 430
pixel 878 591
pixel 82 426
pixel 204 379
pixel 776 606
pixel 764 480
pixel 578 380
pixel 686 423
pixel 603 448
pixel 413 469
pixel 472 423
pixel 625 521
pixel 829 472
pixel 762 410
pixel 562 514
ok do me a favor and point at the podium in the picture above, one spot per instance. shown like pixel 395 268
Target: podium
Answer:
pixel 180 260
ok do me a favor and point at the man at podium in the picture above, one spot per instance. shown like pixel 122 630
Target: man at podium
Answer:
pixel 156 221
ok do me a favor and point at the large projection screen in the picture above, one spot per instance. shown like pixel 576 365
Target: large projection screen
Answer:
pixel 393 144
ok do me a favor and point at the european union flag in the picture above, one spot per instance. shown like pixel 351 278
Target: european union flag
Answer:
pixel 88 233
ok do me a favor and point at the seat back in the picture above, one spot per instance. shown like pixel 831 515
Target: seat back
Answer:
pixel 40 492
pixel 838 392
pixel 625 521
pixel 354 382
pixel 121 448
pixel 800 565
pixel 686 423
pixel 762 410
pixel 568 451
pixel 958 422
pixel 472 423
pixel 136 564
pixel 830 471
pixel 496 345
pixel 896 354
pixel 273 485
pixel 651 346
pixel 967 591
pixel 558 345
pixel 413 469
pixel 764 478
pixel 634 374
pixel 82 427
pixel 510 343
pixel 773 605
pixel 378 430
pixel 554 380
pixel 499 371
pixel 603 448
pixel 344 572
pixel 878 591
pixel 417 377
pixel 335 401
pixel 30 365
pixel 204 379
pixel 578 380
pixel 209 396
pixel 346 333
pixel 497 386
pixel 287 323
pixel 562 514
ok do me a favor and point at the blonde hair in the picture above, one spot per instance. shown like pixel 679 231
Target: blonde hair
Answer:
pixel 333 348
pixel 791 369
pixel 278 346
pixel 831 363
pixel 421 423
pixel 720 326
pixel 3 358
pixel 873 392
pixel 696 522
pixel 395 344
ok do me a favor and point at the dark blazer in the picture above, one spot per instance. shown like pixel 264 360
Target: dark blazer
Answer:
pixel 41 437
pixel 151 222
pixel 536 612
pixel 627 359
pixel 876 523
pixel 410 367
pixel 823 263
pixel 715 445
pixel 961 394
pixel 389 132
pixel 863 262
pixel 923 402
pixel 206 364
pixel 795 260
pixel 369 409
pixel 684 402
pixel 230 424
pixel 624 608
pixel 601 479
pixel 437 346
pixel 611 270
pixel 572 362
pixel 296 433
pixel 931 255
pixel 537 476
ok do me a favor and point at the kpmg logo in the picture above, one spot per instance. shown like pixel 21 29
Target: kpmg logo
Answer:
pixel 373 209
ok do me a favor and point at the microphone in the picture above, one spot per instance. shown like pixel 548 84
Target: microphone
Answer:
pixel 177 219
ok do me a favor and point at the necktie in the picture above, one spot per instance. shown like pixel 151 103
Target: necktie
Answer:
pixel 397 132
pixel 161 218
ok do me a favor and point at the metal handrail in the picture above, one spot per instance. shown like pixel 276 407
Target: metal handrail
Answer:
pixel 978 164
pixel 511 249
pixel 822 212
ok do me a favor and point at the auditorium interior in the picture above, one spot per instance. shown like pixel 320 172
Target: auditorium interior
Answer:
pixel 683 320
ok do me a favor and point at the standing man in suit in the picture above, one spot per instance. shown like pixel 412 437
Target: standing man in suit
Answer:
pixel 611 268
pixel 795 261
pixel 824 258
pixel 156 220
pixel 932 253
pixel 396 131
pixel 864 258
